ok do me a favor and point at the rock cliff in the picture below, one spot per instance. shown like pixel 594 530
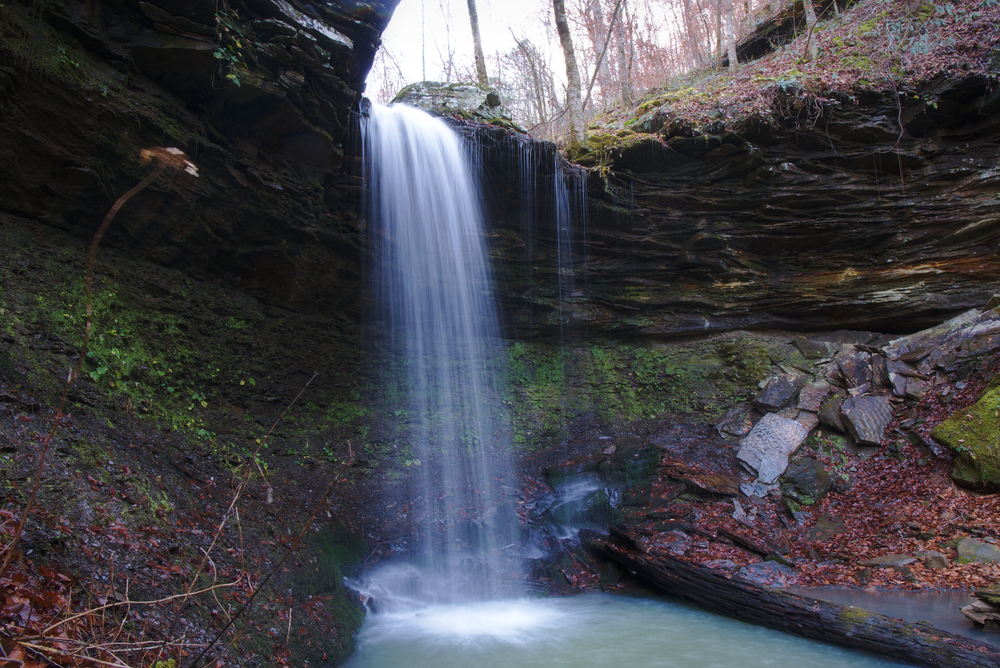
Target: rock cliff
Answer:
pixel 877 213
pixel 258 93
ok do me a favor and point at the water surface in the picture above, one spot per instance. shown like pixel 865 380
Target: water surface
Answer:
pixel 592 630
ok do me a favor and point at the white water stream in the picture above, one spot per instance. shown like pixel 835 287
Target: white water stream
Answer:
pixel 433 314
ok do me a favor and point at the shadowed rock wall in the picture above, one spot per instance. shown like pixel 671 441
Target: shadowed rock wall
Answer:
pixel 875 214
pixel 258 93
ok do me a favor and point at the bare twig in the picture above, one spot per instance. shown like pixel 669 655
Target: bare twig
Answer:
pixel 291 548
pixel 225 517
pixel 117 604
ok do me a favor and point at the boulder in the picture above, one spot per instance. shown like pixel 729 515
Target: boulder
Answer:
pixel 829 412
pixel 778 392
pixel 766 449
pixel 971 550
pixel 806 480
pixel 866 418
pixel 933 559
pixel 466 101
pixel 965 475
pixel 974 433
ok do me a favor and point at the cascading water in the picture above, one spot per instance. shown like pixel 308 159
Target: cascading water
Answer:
pixel 454 602
pixel 434 314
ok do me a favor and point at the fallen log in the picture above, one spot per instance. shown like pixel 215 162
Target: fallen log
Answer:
pixel 843 625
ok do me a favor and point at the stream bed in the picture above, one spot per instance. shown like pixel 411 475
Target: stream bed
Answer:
pixel 595 630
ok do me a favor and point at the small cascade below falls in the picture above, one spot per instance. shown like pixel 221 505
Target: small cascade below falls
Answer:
pixel 434 321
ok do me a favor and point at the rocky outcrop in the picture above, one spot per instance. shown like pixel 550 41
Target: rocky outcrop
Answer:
pixel 466 101
pixel 838 214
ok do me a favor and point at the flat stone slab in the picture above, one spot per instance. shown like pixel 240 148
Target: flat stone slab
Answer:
pixel 855 368
pixel 808 420
pixel 736 423
pixel 811 396
pixel 970 550
pixel 890 561
pixel 766 449
pixel 813 349
pixel 779 391
pixel 866 418
pixel 829 412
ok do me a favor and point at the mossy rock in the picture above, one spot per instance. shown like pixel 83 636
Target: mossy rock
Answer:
pixel 334 550
pixel 8 372
pixel 974 432
pixel 339 549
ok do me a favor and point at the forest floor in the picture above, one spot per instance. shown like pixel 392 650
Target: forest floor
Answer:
pixel 905 48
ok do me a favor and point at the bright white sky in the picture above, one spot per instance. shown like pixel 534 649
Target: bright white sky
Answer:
pixel 446 22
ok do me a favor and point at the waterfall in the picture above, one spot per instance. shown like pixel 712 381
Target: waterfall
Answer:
pixel 433 314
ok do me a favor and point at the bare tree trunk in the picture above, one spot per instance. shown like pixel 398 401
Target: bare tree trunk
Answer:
pixel 598 38
pixel 477 44
pixel 693 36
pixel 624 60
pixel 811 47
pixel 538 87
pixel 574 99
pixel 730 33
pixel 718 33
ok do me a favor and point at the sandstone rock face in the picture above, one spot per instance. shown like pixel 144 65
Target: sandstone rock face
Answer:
pixel 765 451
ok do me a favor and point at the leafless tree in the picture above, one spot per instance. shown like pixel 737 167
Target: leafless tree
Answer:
pixel 477 44
pixel 731 33
pixel 810 27
pixel 574 100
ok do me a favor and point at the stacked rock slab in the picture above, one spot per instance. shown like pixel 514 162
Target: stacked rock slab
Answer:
pixel 858 378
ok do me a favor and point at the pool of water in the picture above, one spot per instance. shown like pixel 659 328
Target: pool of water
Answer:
pixel 597 630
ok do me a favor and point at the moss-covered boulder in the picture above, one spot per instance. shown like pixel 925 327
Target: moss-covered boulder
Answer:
pixel 974 433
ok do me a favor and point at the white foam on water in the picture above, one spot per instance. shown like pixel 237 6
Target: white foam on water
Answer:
pixel 588 631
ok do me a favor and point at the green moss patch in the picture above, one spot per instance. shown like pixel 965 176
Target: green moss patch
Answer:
pixel 975 433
